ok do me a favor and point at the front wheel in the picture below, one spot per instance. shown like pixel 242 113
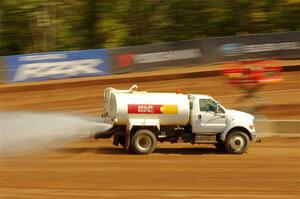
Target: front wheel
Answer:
pixel 237 142
pixel 143 142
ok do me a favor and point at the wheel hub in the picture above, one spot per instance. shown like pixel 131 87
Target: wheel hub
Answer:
pixel 144 142
pixel 237 143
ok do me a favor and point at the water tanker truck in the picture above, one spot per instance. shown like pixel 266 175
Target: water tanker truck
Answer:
pixel 141 118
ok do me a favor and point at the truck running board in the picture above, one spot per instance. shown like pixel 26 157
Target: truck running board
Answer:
pixel 205 139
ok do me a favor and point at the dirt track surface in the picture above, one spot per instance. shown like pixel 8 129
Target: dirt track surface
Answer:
pixel 96 169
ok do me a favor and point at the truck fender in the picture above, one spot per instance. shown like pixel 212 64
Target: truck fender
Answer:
pixel 233 127
pixel 143 122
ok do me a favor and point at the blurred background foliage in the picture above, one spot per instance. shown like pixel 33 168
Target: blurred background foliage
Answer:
pixel 28 26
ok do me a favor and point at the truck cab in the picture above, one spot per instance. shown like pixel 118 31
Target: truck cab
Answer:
pixel 207 115
pixel 214 122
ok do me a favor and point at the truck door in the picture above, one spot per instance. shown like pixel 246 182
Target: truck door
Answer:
pixel 210 117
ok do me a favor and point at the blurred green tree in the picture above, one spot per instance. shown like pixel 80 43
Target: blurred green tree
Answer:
pixel 28 26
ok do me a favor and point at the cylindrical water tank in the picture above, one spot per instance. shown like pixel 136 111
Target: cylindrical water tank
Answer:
pixel 169 108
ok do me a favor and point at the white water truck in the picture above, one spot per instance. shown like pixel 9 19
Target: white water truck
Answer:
pixel 141 118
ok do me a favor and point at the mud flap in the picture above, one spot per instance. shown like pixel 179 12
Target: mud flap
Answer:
pixel 116 140
pixel 127 142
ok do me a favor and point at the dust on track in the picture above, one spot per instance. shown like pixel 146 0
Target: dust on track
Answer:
pixel 96 169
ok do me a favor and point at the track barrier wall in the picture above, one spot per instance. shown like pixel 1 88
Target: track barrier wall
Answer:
pixel 2 69
pixel 266 127
pixel 69 64
pixel 57 65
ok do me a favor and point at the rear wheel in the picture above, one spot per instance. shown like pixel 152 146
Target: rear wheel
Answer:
pixel 143 142
pixel 237 142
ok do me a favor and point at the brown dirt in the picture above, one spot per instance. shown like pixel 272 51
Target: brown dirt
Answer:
pixel 96 169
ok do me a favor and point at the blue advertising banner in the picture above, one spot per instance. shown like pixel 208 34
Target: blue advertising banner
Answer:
pixel 57 65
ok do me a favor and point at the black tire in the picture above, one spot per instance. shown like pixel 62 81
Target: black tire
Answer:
pixel 236 142
pixel 143 142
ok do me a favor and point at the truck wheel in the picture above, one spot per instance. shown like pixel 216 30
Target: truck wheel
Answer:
pixel 237 142
pixel 143 142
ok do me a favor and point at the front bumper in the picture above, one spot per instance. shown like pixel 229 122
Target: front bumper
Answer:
pixel 255 138
pixel 258 140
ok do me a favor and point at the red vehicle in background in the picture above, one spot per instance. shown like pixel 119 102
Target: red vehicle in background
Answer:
pixel 250 76
pixel 253 72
